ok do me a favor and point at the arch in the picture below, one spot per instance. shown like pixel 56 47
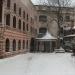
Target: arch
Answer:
pixel 8 19
pixel 19 45
pixel 27 44
pixel 23 44
pixel 24 14
pixel 19 11
pixel 32 45
pixel 7 45
pixel 15 7
pixel 8 3
pixel 23 26
pixel 14 22
pixel 19 24
pixel 14 45
pixel 27 17
pixel 27 27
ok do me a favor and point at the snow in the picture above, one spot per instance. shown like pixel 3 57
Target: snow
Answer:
pixel 38 64
pixel 72 35
pixel 47 36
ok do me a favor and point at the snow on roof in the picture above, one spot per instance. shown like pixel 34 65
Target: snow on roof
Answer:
pixel 72 35
pixel 74 27
pixel 47 36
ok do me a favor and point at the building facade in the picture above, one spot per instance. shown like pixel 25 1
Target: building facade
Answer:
pixel 18 25
pixel 20 21
pixel 47 17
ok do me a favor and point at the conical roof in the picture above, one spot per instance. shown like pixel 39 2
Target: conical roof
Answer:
pixel 47 36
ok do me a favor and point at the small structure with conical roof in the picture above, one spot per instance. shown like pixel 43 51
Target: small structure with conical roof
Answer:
pixel 46 43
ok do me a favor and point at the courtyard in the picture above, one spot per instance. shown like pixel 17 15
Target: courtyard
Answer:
pixel 38 64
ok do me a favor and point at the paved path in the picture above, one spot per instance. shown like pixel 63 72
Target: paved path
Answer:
pixel 38 64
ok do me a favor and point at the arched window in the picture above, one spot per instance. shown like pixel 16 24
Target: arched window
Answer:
pixel 27 27
pixel 15 7
pixel 14 45
pixel 8 4
pixel 7 45
pixel 19 24
pixel 23 26
pixel 19 45
pixel 27 17
pixel 8 19
pixel 23 44
pixel 14 22
pixel 19 11
pixel 27 44
pixel 24 14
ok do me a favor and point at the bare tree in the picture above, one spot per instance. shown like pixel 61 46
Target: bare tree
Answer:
pixel 59 5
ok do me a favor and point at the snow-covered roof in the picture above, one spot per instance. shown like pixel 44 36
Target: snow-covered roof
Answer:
pixel 72 35
pixel 74 27
pixel 47 36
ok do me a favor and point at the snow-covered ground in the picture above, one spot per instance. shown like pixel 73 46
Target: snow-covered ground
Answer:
pixel 38 64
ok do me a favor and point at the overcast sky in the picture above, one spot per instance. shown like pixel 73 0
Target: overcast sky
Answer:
pixel 36 1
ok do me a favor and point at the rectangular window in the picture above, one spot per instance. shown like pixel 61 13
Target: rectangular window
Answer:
pixel 43 18
pixel 67 18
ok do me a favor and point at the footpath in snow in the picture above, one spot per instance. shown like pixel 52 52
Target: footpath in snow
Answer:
pixel 38 64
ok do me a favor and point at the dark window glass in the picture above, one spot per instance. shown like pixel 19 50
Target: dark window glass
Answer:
pixel 24 14
pixel 20 11
pixel 23 26
pixel 42 30
pixel 8 19
pixel 8 4
pixel 20 24
pixel 14 45
pixel 19 45
pixel 43 18
pixel 67 18
pixel 23 44
pixel 7 46
pixel 14 22
pixel 15 7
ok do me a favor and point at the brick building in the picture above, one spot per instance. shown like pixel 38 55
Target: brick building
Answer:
pixel 18 25
pixel 20 21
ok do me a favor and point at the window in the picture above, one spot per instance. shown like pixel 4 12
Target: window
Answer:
pixel 27 27
pixel 24 14
pixel 20 24
pixel 23 26
pixel 27 17
pixel 15 7
pixel 23 44
pixel 19 11
pixel 8 19
pixel 14 45
pixel 8 4
pixel 7 46
pixel 43 18
pixel 19 45
pixel 42 30
pixel 14 22
pixel 27 44
pixel 67 18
